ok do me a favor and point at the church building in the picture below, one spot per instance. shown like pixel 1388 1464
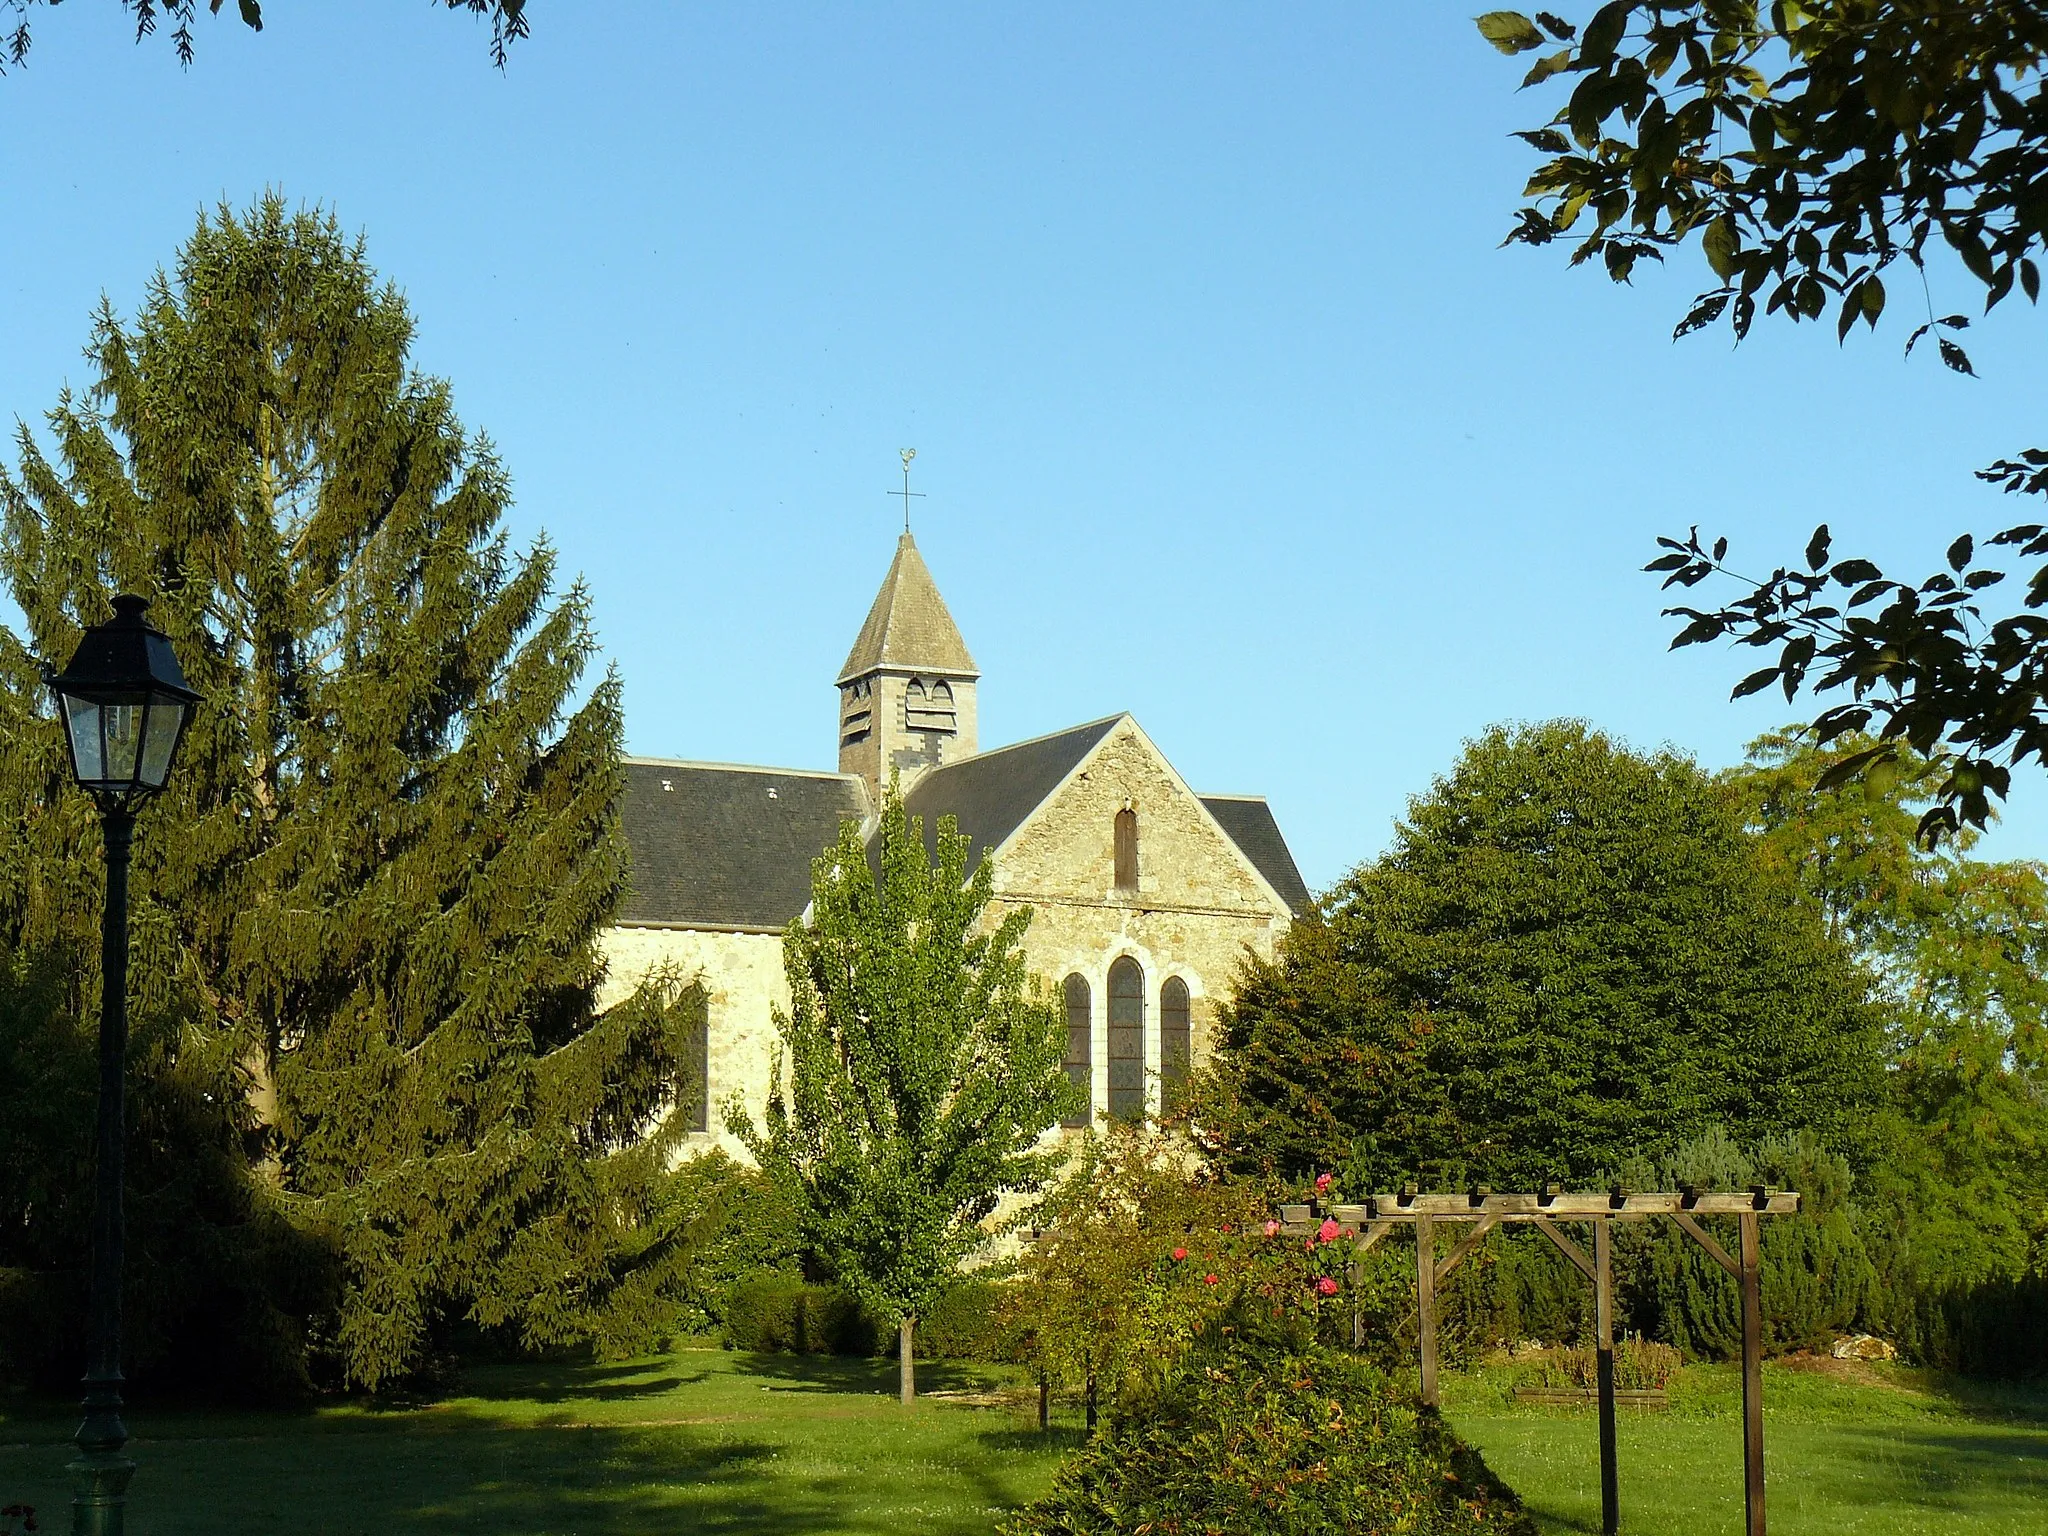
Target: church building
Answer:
pixel 1145 894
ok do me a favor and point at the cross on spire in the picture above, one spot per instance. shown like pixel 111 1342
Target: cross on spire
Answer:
pixel 906 493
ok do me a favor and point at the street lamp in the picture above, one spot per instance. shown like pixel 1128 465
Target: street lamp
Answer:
pixel 124 704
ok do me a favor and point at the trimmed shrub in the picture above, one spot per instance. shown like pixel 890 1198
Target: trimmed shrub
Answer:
pixel 782 1314
pixel 1250 1437
pixel 971 1322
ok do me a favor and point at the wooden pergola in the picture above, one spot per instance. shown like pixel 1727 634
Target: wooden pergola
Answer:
pixel 1366 1224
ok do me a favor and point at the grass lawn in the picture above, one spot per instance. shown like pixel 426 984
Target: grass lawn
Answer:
pixel 702 1440
pixel 1847 1448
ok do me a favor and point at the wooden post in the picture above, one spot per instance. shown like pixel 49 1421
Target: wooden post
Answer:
pixel 1603 1324
pixel 1752 1378
pixel 1425 1302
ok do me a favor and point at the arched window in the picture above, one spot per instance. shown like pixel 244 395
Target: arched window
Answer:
pixel 1176 1040
pixel 1080 1049
pixel 694 1091
pixel 1127 849
pixel 1127 1039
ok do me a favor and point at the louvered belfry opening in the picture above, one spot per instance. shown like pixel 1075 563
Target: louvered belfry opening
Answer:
pixel 1127 849
pixel 1080 1062
pixel 1127 1039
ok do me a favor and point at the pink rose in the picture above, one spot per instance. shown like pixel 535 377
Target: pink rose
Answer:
pixel 1272 1227
pixel 1179 1254
pixel 1322 1183
pixel 1326 1286
pixel 1328 1230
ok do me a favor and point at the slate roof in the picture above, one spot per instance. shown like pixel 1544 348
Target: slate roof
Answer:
pixel 1249 821
pixel 910 626
pixel 723 846
pixel 991 793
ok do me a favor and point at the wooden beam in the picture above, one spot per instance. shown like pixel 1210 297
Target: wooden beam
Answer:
pixel 1567 1247
pixel 1466 1244
pixel 1705 1239
pixel 1752 1378
pixel 1603 1338
pixel 1371 1236
pixel 1425 1303
pixel 1777 1202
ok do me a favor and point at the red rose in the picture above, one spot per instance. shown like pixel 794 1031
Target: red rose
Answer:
pixel 1322 1183
pixel 1179 1254
pixel 1208 1279
pixel 1328 1230
pixel 1326 1286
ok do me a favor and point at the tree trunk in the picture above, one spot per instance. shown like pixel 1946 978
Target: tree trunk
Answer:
pixel 1044 1402
pixel 906 1363
pixel 1091 1402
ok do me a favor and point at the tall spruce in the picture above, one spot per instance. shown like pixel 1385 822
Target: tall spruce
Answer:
pixel 919 1067
pixel 380 872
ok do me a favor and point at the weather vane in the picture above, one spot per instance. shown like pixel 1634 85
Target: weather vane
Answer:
pixel 906 493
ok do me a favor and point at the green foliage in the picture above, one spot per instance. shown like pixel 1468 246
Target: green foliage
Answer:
pixel 367 908
pixel 783 1314
pixel 1809 148
pixel 921 1068
pixel 219 1283
pixel 507 18
pixel 1262 1433
pixel 1816 1281
pixel 1572 956
pixel 1957 947
pixel 740 1226
pixel 972 1321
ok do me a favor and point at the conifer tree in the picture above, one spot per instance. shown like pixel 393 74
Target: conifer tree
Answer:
pixel 919 1067
pixel 378 876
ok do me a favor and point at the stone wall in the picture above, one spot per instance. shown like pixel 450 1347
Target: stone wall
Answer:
pixel 1198 908
pixel 743 980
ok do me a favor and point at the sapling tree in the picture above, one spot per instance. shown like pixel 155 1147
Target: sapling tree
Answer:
pixel 919 1069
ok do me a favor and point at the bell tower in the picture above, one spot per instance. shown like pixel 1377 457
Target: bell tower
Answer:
pixel 906 693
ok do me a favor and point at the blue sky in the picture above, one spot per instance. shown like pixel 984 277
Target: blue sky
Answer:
pixel 1229 409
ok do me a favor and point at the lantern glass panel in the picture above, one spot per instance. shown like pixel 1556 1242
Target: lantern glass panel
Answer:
pixel 82 724
pixel 166 720
pixel 123 726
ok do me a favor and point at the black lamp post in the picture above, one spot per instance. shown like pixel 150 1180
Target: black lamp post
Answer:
pixel 124 704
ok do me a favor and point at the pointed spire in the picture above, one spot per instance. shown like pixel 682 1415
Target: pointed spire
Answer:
pixel 909 627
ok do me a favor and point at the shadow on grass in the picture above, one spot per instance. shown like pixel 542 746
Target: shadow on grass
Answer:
pixel 554 1383
pixel 467 1472
pixel 1951 1471
pixel 855 1373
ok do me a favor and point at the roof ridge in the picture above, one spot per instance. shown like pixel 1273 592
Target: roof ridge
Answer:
pixel 635 759
pixel 1031 741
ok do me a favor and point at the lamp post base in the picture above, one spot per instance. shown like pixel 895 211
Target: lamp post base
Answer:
pixel 99 1500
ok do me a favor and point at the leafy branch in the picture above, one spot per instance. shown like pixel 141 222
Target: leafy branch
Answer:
pixel 1919 662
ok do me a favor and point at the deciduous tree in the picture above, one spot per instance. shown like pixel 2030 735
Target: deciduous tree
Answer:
pixel 919 1069
pixel 1810 148
pixel 1572 955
